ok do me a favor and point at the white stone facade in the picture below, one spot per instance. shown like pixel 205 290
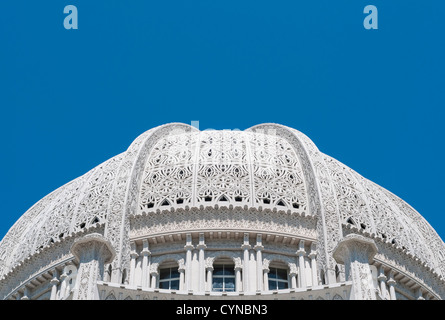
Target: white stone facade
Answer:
pixel 254 214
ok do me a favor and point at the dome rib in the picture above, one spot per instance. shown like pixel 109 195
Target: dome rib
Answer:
pixel 250 169
pixel 328 225
pixel 195 167
pixel 127 185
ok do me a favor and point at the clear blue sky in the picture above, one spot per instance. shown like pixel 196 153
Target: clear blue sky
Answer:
pixel 373 99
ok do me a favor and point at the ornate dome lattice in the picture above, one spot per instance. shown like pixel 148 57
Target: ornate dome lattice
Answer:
pixel 267 166
pixel 228 167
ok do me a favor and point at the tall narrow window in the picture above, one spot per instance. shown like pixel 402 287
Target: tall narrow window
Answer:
pixel 124 277
pixel 322 278
pixel 223 278
pixel 169 278
pixel 278 279
pixel 337 273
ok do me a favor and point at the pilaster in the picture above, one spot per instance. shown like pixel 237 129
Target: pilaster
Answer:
pixel 301 270
pixel 188 262
pixel 133 256
pixel 201 247
pixel 266 274
pixel 145 263
pixel 259 262
pixel 246 247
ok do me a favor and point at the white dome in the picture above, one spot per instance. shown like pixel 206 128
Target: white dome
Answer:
pixel 267 168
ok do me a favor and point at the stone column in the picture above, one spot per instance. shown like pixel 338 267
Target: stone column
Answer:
pixel 133 256
pixel 195 271
pixel 188 262
pixel 238 268
pixel 54 282
pixel 92 251
pixel 68 278
pixel 246 247
pixel 356 252
pixel 382 281
pixel 252 271
pixel 293 274
pixel 181 270
pixel 209 270
pixel 301 271
pixel 266 274
pixel 259 262
pixel 154 275
pixel 201 246
pixel 313 256
pixel 391 283
pixel 145 256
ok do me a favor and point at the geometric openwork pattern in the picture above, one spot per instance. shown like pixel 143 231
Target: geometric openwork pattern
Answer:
pixel 370 207
pixel 230 167
pixel 74 206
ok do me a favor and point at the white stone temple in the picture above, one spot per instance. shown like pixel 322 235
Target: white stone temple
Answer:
pixel 254 214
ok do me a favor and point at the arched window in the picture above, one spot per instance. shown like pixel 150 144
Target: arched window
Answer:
pixel 278 278
pixel 169 276
pixel 223 276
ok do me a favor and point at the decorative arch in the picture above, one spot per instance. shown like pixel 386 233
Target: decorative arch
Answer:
pixel 213 255
pixel 176 257
pixel 281 258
